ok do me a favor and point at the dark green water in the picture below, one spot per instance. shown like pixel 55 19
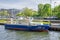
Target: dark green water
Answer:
pixel 24 35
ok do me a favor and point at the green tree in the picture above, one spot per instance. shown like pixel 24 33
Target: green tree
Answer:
pixel 44 10
pixel 40 10
pixel 58 15
pixel 27 13
pixel 57 11
pixel 4 13
pixel 34 14
pixel 20 14
pixel 47 11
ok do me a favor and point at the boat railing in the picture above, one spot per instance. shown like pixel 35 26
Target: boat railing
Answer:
pixel 26 21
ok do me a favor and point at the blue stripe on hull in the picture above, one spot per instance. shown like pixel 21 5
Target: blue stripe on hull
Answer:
pixel 25 27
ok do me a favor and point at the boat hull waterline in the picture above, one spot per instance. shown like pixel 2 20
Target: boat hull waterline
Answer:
pixel 27 27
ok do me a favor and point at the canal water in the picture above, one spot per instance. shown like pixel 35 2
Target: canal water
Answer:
pixel 24 35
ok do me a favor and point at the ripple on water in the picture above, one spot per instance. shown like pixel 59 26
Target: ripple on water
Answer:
pixel 24 35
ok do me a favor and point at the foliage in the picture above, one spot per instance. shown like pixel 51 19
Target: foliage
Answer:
pixel 4 13
pixel 57 11
pixel 20 14
pixel 44 10
pixel 47 10
pixel 27 12
pixel 40 9
pixel 34 14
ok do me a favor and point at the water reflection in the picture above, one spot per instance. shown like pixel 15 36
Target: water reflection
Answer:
pixel 54 35
pixel 31 35
pixel 24 35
